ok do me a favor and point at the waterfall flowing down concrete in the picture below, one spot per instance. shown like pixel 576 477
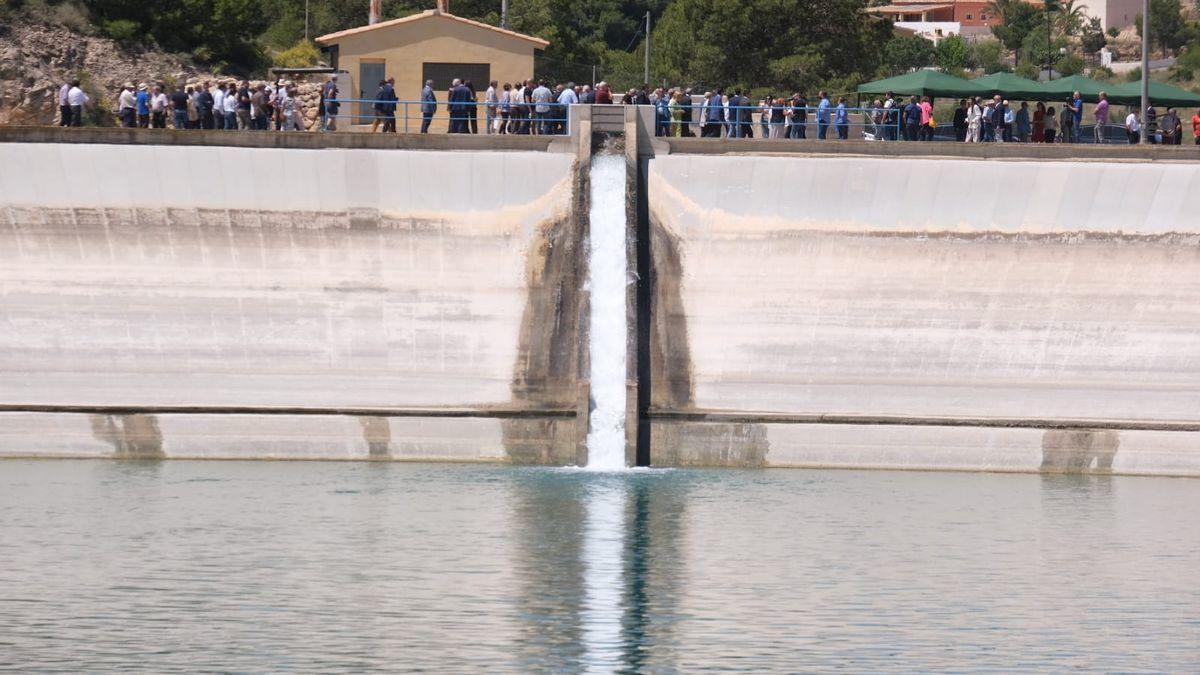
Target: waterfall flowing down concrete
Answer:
pixel 607 281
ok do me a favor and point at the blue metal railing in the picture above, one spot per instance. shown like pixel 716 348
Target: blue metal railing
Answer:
pixel 755 121
pixel 538 119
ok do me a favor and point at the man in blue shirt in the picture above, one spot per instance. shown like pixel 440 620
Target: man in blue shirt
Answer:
pixel 715 114
pixel 841 119
pixel 912 120
pixel 460 98
pixel 428 106
pixel 823 116
pixel 1077 116
pixel 143 106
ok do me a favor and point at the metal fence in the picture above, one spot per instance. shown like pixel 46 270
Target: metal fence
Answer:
pixel 539 119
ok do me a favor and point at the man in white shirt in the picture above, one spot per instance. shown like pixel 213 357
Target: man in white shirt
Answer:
pixel 64 108
pixel 542 98
pixel 76 99
pixel 491 101
pixel 127 106
pixel 219 107
pixel 566 99
pixel 1133 127
pixel 158 108
pixel 231 107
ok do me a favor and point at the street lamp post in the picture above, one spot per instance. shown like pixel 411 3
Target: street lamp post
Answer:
pixel 1145 68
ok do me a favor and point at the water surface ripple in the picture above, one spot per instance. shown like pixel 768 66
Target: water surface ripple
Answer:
pixel 350 567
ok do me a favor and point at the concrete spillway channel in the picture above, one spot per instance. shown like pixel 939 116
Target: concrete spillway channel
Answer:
pixel 919 306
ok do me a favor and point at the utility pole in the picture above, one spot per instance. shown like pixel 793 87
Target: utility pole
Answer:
pixel 504 13
pixel 306 20
pixel 1145 68
pixel 646 78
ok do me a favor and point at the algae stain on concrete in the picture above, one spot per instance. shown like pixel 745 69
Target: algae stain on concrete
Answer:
pixel 378 435
pixel 135 436
pixel 1079 451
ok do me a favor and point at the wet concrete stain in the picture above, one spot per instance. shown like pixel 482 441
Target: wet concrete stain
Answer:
pixel 674 443
pixel 378 435
pixel 134 436
pixel 550 355
pixel 1082 451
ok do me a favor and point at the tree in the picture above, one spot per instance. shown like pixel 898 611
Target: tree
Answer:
pixel 951 54
pixel 904 53
pixel 732 43
pixel 986 54
pixel 1167 28
pixel 1036 50
pixel 1071 17
pixel 1018 19
pixel 1092 40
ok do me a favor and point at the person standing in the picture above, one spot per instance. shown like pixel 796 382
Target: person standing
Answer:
pixel 841 119
pixel 1039 123
pixel 159 104
pixel 331 104
pixel 505 108
pixel 64 108
pixel 925 133
pixel 1133 127
pixel 1100 131
pixel 387 94
pixel 491 107
pixel 960 121
pixel 823 115
pixel 76 100
pixel 1171 127
pixel 259 118
pixel 912 120
pixel 127 107
pixel 243 106
pixel 1051 126
pixel 1076 116
pixel 1024 128
pixel 179 107
pixel 1066 122
pixel 231 107
pixel 193 107
pixel 429 105
pixel 542 100
pixel 566 99
pixel 974 120
pixel 999 117
pixel 1151 125
pixel 219 106
pixel 799 117
pixel 143 106
pixel 207 103
pixel 1196 127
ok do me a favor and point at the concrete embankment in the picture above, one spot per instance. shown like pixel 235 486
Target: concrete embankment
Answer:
pixel 926 313
pixel 252 301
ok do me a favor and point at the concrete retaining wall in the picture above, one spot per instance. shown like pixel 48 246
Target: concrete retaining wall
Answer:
pixel 228 277
pixel 925 289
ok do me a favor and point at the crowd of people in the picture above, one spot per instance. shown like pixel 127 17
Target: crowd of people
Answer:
pixel 225 105
pixel 538 107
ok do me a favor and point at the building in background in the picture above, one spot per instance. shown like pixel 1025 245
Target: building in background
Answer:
pixel 432 45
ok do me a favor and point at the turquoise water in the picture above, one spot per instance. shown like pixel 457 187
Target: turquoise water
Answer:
pixel 350 567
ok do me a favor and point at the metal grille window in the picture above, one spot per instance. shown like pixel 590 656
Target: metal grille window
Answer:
pixel 443 74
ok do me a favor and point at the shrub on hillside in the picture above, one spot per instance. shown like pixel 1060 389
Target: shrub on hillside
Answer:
pixel 303 54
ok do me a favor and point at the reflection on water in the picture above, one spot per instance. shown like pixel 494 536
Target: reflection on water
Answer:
pixel 184 566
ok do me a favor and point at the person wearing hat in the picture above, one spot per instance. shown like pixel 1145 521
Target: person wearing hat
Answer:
pixel 143 106
pixel 127 106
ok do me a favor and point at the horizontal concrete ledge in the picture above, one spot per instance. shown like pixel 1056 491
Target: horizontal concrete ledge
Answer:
pixel 487 413
pixel 739 417
pixel 275 139
pixel 936 149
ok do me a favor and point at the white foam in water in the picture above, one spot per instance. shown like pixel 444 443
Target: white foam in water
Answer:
pixel 603 583
pixel 607 280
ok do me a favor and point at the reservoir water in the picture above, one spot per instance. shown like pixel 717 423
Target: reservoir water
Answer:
pixel 350 567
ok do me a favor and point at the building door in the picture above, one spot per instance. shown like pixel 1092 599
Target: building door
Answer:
pixel 370 74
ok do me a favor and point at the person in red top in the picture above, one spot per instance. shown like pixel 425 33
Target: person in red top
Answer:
pixel 1196 126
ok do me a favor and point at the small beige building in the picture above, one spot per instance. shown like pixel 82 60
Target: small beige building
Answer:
pixel 431 45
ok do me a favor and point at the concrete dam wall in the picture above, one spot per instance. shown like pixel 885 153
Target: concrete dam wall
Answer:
pixel 944 313
pixel 232 294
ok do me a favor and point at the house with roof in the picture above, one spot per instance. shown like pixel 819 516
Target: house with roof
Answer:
pixel 430 45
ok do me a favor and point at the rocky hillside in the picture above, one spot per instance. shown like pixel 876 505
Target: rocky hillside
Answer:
pixel 35 60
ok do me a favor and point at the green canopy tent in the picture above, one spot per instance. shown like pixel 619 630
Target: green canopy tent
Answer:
pixel 1012 87
pixel 1061 89
pixel 924 83
pixel 1161 93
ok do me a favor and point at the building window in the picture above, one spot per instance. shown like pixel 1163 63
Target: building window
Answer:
pixel 983 16
pixel 443 74
pixel 968 17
